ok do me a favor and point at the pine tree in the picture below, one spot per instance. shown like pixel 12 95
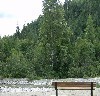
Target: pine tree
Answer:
pixel 17 34
pixel 89 30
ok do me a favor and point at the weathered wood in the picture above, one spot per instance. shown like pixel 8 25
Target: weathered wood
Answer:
pixel 74 86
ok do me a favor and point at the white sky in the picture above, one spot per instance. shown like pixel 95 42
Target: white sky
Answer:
pixel 18 11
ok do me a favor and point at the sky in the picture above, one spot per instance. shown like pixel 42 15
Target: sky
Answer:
pixel 18 12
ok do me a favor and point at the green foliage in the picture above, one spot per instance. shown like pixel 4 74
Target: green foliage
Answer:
pixel 89 30
pixel 63 42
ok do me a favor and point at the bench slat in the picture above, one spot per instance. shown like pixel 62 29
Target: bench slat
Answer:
pixel 75 88
pixel 74 85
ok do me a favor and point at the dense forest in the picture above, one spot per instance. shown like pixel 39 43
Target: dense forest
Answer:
pixel 64 42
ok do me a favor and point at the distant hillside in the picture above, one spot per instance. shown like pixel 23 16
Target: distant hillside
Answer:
pixel 63 42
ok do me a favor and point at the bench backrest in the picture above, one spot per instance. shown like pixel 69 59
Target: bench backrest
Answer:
pixel 74 85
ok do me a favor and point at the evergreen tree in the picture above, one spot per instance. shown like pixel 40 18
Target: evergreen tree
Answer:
pixel 63 42
pixel 17 34
pixel 89 30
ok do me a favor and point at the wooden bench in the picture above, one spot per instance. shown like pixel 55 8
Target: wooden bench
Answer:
pixel 74 86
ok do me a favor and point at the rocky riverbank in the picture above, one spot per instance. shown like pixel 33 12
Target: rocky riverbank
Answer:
pixel 24 87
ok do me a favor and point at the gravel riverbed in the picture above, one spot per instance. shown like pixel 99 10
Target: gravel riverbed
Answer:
pixel 24 87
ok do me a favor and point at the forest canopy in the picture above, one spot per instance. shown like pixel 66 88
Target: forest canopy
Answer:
pixel 64 42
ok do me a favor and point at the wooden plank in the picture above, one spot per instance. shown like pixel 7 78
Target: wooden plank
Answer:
pixel 74 84
pixel 75 88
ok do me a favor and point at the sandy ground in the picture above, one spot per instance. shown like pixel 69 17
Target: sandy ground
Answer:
pixel 51 92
